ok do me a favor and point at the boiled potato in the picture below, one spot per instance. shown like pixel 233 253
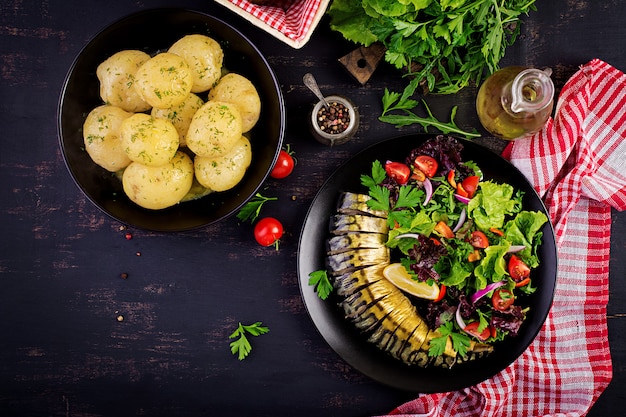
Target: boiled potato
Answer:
pixel 101 134
pixel 223 173
pixel 164 80
pixel 159 187
pixel 117 78
pixel 238 90
pixel 205 57
pixel 180 115
pixel 149 140
pixel 214 129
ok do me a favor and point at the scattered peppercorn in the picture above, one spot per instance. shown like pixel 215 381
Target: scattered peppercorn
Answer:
pixel 138 253
pixel 120 318
pixel 128 236
pixel 335 120
pixel 124 275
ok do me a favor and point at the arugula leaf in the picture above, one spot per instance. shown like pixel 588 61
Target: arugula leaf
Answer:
pixel 393 102
pixel 323 287
pixel 251 210
pixel 242 347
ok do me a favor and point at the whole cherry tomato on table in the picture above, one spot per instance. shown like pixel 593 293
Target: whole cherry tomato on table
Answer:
pixel 268 231
pixel 284 165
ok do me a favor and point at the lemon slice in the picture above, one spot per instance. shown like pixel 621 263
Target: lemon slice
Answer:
pixel 398 275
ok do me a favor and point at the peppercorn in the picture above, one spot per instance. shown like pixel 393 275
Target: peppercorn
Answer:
pixel 335 119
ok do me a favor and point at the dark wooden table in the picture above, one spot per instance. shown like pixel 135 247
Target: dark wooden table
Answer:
pixel 63 351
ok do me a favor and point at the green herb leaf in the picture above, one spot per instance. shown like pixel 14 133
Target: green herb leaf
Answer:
pixel 319 280
pixel 460 341
pixel 251 210
pixel 242 347
pixel 459 40
pixel 408 118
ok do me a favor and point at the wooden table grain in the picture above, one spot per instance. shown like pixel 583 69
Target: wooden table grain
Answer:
pixel 97 319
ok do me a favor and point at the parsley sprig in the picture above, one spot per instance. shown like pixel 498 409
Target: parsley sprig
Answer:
pixel 460 341
pixel 319 280
pixel 251 210
pixel 242 347
pixel 408 197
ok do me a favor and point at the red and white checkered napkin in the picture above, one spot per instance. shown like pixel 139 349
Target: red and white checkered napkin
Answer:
pixel 578 165
pixel 290 21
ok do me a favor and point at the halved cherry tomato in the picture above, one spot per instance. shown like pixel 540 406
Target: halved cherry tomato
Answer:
pixel 478 239
pixel 427 165
pixel 398 171
pixel 268 231
pixel 502 299
pixel 472 329
pixel 284 165
pixel 451 179
pixel 442 293
pixel 470 184
pixel 518 269
pixel 444 230
pixel 523 282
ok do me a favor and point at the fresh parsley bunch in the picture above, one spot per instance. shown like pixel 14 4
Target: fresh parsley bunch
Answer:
pixel 453 42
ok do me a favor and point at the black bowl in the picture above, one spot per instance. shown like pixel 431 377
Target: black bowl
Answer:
pixel 342 335
pixel 154 31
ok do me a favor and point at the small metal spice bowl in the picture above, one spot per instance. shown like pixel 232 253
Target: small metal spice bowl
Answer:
pixel 336 125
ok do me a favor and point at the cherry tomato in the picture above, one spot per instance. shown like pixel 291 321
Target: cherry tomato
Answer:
pixel 268 231
pixel 472 328
pixel 470 184
pixel 427 165
pixel 398 171
pixel 478 239
pixel 444 230
pixel 518 269
pixel 502 299
pixel 284 165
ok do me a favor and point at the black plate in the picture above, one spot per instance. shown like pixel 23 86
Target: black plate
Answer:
pixel 343 337
pixel 153 31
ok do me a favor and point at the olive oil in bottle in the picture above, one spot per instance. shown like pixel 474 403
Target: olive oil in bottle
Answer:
pixel 515 102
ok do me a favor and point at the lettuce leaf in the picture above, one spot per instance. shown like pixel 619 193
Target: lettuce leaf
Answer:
pixel 525 229
pixel 492 203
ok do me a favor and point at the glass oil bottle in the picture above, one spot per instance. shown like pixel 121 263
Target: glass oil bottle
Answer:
pixel 515 101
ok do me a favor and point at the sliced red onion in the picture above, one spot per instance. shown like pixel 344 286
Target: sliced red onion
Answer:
pixel 428 187
pixel 459 319
pixel 409 235
pixel 462 219
pixel 516 248
pixel 481 293
pixel 462 199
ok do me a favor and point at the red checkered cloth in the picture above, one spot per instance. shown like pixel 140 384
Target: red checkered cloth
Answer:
pixel 291 21
pixel 577 163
